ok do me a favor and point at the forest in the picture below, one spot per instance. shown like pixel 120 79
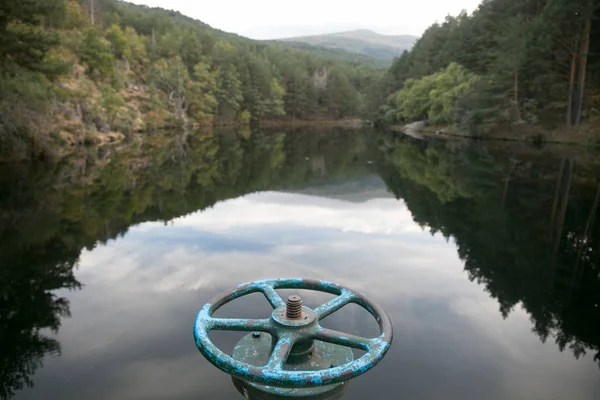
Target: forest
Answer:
pixel 81 72
pixel 508 63
pixel 72 70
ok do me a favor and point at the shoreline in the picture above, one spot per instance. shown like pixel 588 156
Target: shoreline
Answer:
pixel 63 146
pixel 525 134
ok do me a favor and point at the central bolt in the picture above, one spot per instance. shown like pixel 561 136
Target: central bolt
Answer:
pixel 293 307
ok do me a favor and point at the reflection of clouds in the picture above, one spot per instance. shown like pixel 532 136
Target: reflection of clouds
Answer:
pixel 308 236
pixel 130 335
pixel 387 216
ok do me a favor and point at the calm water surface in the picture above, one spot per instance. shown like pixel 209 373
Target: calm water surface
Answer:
pixel 485 259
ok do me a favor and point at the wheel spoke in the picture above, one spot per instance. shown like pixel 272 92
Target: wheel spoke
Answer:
pixel 273 297
pixel 239 324
pixel 343 339
pixel 281 352
pixel 334 304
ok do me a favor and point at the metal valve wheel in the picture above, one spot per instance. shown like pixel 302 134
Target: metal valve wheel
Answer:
pixel 299 353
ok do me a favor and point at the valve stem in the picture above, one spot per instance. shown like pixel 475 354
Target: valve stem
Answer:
pixel 293 308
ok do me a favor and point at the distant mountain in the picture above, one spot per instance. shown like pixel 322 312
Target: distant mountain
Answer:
pixel 355 190
pixel 361 41
pixel 334 54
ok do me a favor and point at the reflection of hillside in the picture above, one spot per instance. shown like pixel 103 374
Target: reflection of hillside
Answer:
pixel 358 190
pixel 526 230
pixel 50 213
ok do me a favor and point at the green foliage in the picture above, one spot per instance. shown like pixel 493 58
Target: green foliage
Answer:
pixel 97 55
pixel 229 92
pixel 26 46
pixel 480 110
pixel 245 117
pixel 202 91
pixel 276 98
pixel 168 66
pixel 74 18
pixel 136 48
pixel 169 44
pixel 340 97
pixel 339 55
pixel 117 38
pixel 530 53
pixel 25 100
pixel 435 97
pixel 112 103
pixel 172 78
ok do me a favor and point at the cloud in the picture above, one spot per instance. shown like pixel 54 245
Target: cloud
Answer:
pixel 271 19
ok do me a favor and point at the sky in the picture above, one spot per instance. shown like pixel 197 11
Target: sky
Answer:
pixel 273 19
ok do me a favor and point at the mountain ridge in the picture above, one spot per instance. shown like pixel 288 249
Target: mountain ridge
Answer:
pixel 361 41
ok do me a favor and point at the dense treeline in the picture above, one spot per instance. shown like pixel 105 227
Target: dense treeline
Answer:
pixel 524 61
pixel 76 67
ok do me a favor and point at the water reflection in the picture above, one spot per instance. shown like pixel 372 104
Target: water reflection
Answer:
pixel 525 228
pixel 154 231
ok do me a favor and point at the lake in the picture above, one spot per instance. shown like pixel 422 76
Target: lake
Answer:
pixel 485 257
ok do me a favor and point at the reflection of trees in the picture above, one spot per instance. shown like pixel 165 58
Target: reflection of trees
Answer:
pixel 34 261
pixel 526 230
pixel 49 213
pixel 28 308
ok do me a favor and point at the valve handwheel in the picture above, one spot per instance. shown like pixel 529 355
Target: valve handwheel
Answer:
pixel 294 329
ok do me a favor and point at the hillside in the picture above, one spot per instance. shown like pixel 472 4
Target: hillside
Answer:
pixel 361 41
pixel 80 72
pixel 509 64
pixel 333 54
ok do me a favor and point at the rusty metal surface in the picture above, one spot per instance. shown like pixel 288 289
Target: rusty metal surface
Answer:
pixel 288 332
pixel 251 392
pixel 293 307
pixel 255 350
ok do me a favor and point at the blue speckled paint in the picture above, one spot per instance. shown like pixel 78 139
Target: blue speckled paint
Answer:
pixel 273 373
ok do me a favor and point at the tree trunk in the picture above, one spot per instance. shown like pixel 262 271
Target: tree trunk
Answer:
pixel 556 196
pixel 153 37
pixel 577 273
pixel 585 240
pixel 295 100
pixel 507 183
pixel 92 12
pixel 585 47
pixel 564 205
pixel 179 96
pixel 571 90
pixel 516 99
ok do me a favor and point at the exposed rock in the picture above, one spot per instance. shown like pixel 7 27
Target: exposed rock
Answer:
pixel 537 140
pixel 103 151
pixel 416 126
pixel 320 78
pixel 101 125
pixel 414 129
pixel 86 113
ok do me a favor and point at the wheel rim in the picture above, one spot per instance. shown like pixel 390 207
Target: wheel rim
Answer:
pixel 288 333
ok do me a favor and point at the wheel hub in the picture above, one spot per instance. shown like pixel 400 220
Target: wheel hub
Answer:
pixel 255 349
pixel 307 317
